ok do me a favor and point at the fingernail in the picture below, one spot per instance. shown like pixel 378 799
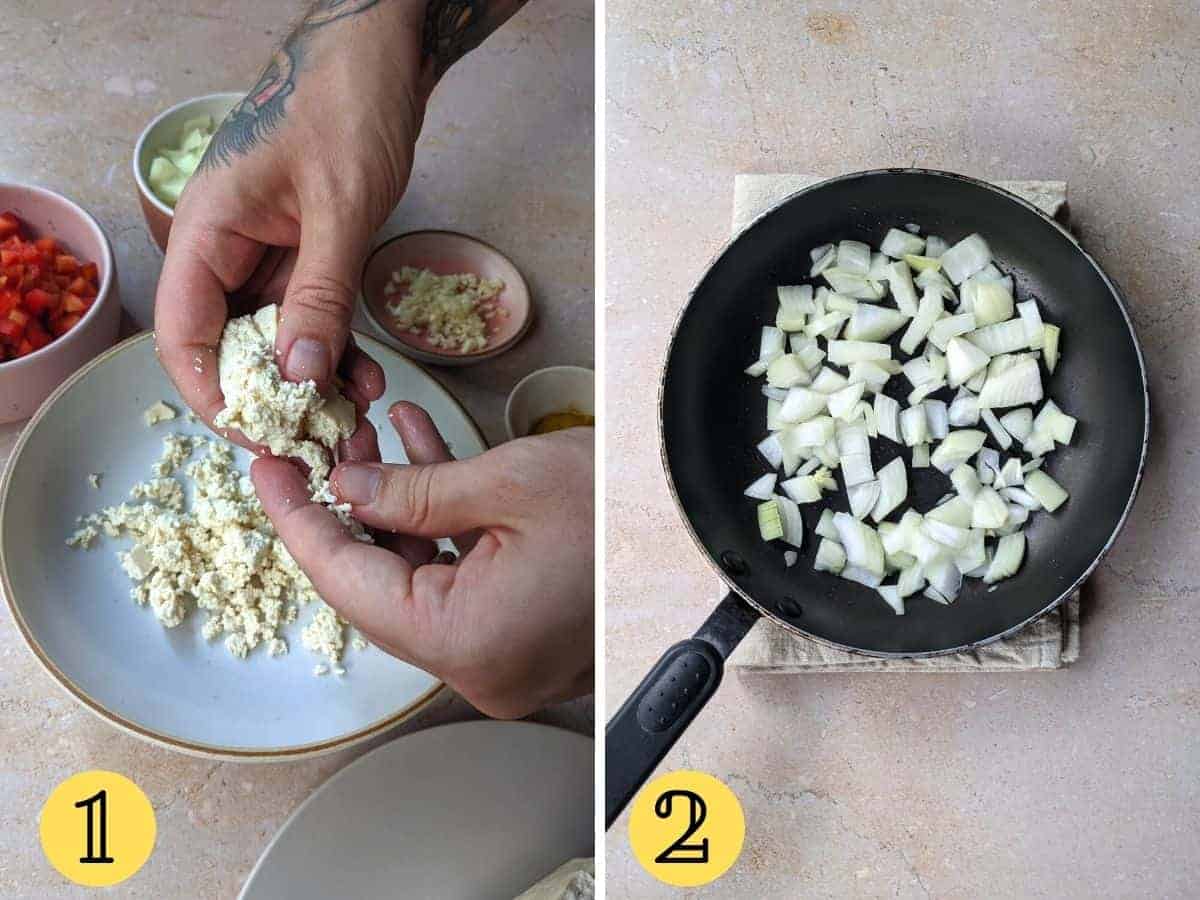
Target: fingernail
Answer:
pixel 308 360
pixel 355 483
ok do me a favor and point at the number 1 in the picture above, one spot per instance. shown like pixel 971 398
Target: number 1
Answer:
pixel 100 801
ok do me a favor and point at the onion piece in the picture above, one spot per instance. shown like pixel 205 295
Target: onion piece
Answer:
pixel 828 381
pixel 964 410
pixel 853 284
pixel 1045 490
pixel 1033 323
pixel 965 481
pixel 854 256
pixel 770 520
pixel 897 244
pixel 771 450
pixel 987 465
pixel 920 456
pixel 992 302
pixel 825 525
pixel 863 498
pixel 913 426
pixel 1009 552
pixel 809 467
pixel 790 557
pixel 1021 497
pixel 937 418
pixel 935 246
pixel 966 258
pixel 802 489
pixel 1002 337
pixel 1018 385
pixel 944 577
pixel 1035 463
pixel 824 261
pixel 1050 338
pixel 988 510
pixel 862 576
pixel 842 403
pixel 1018 423
pixel 1002 437
pixel 843 353
pixel 963 360
pixel 957 448
pixel 827 324
pixel 830 557
pixel 951 327
pixel 856 469
pixel 861 543
pixel 774 393
pixel 1054 422
pixel 921 263
pixel 792 521
pixel 887 417
pixel 802 404
pixel 928 312
pixel 900 281
pixel 891 596
pixel 762 488
pixel 870 373
pixel 893 489
pixel 836 302
pixel 812 433
pixel 787 371
pixel 911 580
pixel 874 323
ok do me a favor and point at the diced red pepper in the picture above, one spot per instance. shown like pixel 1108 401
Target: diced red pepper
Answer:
pixel 8 301
pixel 10 330
pixel 65 324
pixel 66 264
pixel 9 258
pixel 46 244
pixel 9 224
pixel 38 301
pixel 91 272
pixel 24 348
pixel 38 336
pixel 73 304
pixel 19 316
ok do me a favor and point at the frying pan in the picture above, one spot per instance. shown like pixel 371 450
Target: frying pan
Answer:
pixel 712 417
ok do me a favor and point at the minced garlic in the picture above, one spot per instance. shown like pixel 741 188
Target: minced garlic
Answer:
pixel 449 311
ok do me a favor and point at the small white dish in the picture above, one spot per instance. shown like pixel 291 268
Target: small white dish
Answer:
pixel 170 686
pixel 552 390
pixel 472 811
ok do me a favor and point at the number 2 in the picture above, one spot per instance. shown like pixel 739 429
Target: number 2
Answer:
pixel 679 850
pixel 99 802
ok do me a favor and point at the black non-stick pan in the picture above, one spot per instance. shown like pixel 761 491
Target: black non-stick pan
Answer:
pixel 712 416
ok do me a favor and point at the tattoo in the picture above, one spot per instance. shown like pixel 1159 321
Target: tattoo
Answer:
pixel 452 29
pixel 261 110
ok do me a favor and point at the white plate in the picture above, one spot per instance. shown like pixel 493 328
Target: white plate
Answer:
pixel 169 685
pixel 471 811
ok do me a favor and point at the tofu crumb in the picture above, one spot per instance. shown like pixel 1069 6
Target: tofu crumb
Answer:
pixel 94 480
pixel 320 669
pixel 159 412
pixel 449 311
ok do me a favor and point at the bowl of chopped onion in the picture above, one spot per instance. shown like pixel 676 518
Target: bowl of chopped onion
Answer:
pixel 167 153
pixel 445 298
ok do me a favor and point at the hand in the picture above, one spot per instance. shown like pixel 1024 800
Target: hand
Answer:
pixel 282 209
pixel 510 625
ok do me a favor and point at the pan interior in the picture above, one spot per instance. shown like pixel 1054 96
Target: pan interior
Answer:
pixel 713 414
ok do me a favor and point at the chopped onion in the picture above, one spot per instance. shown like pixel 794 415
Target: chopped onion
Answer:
pixel 992 302
pixel 944 578
pixel 1050 337
pixel 891 595
pixel 1009 553
pixel 853 284
pixel 870 373
pixel 1018 423
pixel 935 246
pixel 965 481
pixel 802 489
pixel 937 418
pixel 1002 337
pixel 957 448
pixel 1021 497
pixel 951 327
pixel 862 576
pixel 823 257
pixel 861 543
pixel 812 433
pixel 809 467
pixel 790 557
pixel 887 417
pixel 987 465
pixel 874 323
pixel 835 301
pixel 1002 437
pixel 863 498
pixel 911 581
pixel 843 353
pixel 771 450
pixel 901 283
pixel 770 520
pixel 773 393
pixel 893 489
pixel 762 488
pixel 842 403
pixel 828 381
pixel 913 426
pixel 801 404
pixel 988 509
pixel 920 456
pixel 1045 490
pixel 921 263
pixel 964 410
pixel 826 325
pixel 787 371
pixel 928 312
pixel 966 258
pixel 1016 386
pixel 897 244
pixel 963 359
pixel 854 256
pixel 830 556
pixel 1054 422
pixel 792 521
pixel 1033 323
pixel 825 525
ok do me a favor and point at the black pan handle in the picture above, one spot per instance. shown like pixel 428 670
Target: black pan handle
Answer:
pixel 664 704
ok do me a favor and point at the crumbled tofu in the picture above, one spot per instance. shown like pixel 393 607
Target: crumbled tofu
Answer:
pixel 159 412
pixel 83 537
pixel 291 419
pixel 450 311
pixel 320 669
pixel 94 480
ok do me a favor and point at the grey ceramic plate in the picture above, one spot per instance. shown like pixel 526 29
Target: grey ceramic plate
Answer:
pixel 170 686
pixel 471 811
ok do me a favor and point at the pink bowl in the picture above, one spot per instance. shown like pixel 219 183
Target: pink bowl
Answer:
pixel 26 382
pixel 447 253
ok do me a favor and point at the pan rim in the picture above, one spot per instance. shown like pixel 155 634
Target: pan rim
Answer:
pixel 1115 293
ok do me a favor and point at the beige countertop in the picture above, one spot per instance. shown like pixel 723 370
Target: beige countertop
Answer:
pixel 1078 783
pixel 506 155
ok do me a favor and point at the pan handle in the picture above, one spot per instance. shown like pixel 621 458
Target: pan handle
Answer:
pixel 664 704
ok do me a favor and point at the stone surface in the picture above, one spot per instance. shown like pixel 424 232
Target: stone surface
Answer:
pixel 1078 783
pixel 506 154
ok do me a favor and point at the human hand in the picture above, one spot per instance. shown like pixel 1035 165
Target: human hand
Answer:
pixel 295 182
pixel 510 625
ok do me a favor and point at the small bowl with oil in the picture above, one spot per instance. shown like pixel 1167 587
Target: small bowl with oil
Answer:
pixel 551 399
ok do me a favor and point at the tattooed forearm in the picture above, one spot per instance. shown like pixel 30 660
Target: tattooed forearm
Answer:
pixel 261 110
pixel 452 28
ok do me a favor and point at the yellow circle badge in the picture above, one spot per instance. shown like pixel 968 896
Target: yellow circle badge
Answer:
pixel 97 828
pixel 686 828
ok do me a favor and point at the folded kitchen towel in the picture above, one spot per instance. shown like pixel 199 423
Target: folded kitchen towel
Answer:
pixel 1050 642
